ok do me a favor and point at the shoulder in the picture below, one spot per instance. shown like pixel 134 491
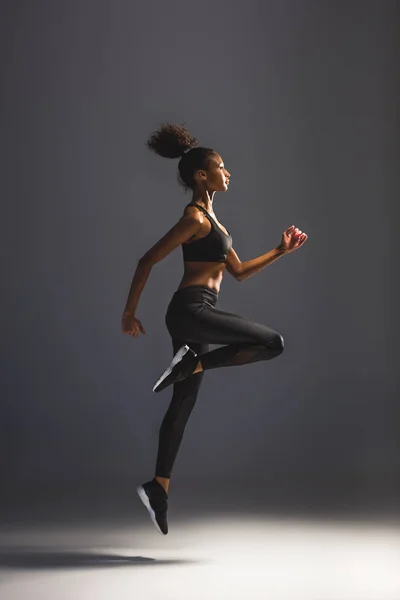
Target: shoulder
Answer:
pixel 194 213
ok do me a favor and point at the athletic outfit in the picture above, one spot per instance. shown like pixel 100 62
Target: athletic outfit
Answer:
pixel 193 323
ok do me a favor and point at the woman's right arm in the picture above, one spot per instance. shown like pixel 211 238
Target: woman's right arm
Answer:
pixel 188 226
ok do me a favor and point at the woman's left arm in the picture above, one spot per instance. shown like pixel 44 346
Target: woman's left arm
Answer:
pixel 292 239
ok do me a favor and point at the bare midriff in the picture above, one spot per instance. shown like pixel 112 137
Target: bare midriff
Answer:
pixel 203 273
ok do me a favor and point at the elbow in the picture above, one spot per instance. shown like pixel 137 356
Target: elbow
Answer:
pixel 146 262
pixel 240 276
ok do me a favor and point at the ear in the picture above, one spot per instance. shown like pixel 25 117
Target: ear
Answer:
pixel 202 174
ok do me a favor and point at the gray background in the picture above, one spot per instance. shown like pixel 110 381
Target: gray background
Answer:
pixel 299 98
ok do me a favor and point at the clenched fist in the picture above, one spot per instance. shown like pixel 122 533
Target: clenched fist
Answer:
pixel 131 325
pixel 292 239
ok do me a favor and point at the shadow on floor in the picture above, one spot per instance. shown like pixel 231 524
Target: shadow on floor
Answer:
pixel 40 558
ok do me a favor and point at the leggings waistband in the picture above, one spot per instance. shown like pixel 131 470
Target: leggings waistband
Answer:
pixel 196 293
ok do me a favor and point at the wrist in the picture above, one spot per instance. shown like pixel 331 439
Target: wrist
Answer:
pixel 280 250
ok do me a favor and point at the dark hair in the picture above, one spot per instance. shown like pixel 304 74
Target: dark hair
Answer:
pixel 172 141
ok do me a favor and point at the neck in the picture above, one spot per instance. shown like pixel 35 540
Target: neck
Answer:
pixel 205 198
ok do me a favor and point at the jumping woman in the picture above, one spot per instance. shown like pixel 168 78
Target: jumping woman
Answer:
pixel 192 318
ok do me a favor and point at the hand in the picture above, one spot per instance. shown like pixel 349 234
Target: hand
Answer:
pixel 292 239
pixel 131 325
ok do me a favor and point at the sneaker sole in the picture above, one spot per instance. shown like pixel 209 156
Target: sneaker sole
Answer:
pixel 145 499
pixel 177 358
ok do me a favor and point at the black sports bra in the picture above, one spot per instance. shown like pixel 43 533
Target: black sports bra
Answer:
pixel 214 247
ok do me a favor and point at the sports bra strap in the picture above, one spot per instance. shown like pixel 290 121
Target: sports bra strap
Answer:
pixel 204 211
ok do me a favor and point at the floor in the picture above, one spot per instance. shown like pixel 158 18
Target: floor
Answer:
pixel 221 557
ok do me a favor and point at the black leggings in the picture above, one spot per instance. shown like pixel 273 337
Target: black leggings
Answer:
pixel 192 319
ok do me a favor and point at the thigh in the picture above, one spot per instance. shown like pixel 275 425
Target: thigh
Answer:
pixel 213 326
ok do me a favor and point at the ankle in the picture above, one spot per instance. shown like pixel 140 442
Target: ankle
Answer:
pixel 199 368
pixel 164 482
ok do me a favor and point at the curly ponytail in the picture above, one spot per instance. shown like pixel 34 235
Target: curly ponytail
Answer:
pixel 173 141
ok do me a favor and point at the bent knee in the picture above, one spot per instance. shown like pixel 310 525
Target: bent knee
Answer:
pixel 280 342
pixel 277 343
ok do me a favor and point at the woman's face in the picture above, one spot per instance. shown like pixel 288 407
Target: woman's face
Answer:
pixel 216 177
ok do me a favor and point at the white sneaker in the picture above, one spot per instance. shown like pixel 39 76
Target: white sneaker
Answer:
pixel 182 365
